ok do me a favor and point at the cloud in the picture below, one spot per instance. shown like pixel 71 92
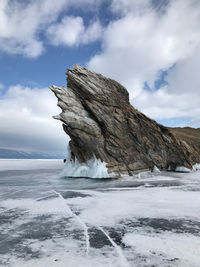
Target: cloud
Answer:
pixel 184 76
pixel 161 104
pixel 26 120
pixel 147 39
pixel 72 31
pixel 22 23
pixel 194 123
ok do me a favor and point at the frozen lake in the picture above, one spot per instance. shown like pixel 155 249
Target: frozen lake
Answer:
pixel 148 220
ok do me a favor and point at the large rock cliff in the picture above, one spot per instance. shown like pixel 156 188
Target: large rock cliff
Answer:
pixel 98 117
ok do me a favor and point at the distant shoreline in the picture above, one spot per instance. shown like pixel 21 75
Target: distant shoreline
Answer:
pixel 53 159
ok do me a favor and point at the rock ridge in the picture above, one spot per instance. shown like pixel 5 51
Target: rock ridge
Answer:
pixel 98 117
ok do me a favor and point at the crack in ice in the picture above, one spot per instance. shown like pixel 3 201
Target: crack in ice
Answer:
pixel 122 258
pixel 82 223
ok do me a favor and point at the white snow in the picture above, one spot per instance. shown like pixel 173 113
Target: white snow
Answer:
pixel 62 252
pixel 182 169
pixel 183 248
pixel 52 206
pixel 112 207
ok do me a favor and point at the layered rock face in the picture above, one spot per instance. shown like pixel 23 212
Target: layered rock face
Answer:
pixel 100 121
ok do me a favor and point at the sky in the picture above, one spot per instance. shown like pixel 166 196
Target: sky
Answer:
pixel 152 47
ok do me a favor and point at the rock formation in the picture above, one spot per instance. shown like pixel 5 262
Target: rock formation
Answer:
pixel 98 117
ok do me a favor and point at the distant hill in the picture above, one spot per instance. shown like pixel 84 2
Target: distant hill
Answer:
pixel 18 154
pixel 188 134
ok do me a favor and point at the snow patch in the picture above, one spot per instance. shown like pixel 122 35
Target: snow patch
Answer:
pixel 182 249
pixel 110 208
pixel 52 206
pixel 182 169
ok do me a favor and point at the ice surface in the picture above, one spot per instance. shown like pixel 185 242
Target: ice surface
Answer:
pixel 140 221
pixel 28 164
pixel 151 202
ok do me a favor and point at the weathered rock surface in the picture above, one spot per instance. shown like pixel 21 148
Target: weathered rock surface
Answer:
pixel 100 121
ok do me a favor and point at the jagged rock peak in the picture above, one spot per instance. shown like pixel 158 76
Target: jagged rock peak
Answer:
pixel 100 121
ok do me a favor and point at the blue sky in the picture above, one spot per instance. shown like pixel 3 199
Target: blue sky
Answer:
pixel 148 46
pixel 47 69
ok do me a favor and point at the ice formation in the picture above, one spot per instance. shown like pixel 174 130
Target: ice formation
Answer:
pixel 93 168
pixel 156 170
pixel 196 167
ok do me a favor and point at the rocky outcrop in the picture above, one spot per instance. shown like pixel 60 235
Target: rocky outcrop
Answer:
pixel 98 117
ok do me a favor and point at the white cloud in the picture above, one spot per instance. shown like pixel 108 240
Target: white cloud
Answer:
pixel 92 33
pixel 72 31
pixel 67 32
pixel 161 104
pixel 22 22
pixel 184 76
pixel 26 120
pixel 145 40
